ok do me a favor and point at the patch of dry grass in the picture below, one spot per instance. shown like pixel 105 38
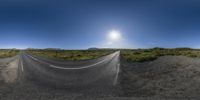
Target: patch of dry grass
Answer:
pixel 8 53
pixel 70 54
pixel 140 55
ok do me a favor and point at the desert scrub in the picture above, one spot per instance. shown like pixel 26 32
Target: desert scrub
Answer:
pixel 70 54
pixel 135 55
pixel 140 55
pixel 8 53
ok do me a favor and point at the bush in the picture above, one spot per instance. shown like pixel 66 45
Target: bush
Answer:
pixel 141 55
pixel 8 52
pixel 70 54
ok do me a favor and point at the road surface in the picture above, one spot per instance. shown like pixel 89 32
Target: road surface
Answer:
pixel 45 79
pixel 102 71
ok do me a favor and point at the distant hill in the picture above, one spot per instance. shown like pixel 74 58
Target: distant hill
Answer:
pixel 93 48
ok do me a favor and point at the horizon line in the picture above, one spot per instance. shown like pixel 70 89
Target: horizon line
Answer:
pixel 93 48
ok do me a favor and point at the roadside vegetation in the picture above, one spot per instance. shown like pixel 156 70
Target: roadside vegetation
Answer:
pixel 130 55
pixel 160 77
pixel 69 54
pixel 8 53
pixel 140 55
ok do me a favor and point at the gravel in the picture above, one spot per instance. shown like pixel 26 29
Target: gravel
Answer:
pixel 167 76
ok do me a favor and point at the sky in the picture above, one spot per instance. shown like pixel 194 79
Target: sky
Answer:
pixel 81 24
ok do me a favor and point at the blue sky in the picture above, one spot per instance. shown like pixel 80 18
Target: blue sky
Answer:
pixel 80 24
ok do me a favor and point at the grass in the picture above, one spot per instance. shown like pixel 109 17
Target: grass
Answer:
pixel 159 78
pixel 141 55
pixel 131 55
pixel 8 53
pixel 70 54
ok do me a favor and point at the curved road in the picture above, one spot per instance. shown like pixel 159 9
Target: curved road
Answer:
pixel 102 71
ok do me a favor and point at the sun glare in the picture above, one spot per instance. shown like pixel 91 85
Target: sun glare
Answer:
pixel 114 35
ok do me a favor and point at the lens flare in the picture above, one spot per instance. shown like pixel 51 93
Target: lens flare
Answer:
pixel 114 35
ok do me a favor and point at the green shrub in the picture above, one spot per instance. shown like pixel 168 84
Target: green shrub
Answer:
pixel 8 52
pixel 70 54
pixel 141 55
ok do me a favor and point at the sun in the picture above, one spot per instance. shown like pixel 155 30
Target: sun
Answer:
pixel 114 35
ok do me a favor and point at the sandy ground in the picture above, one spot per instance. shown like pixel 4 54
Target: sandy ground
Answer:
pixel 168 76
pixel 8 75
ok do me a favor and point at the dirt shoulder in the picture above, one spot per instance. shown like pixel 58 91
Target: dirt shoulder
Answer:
pixel 8 75
pixel 167 76
pixel 9 70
